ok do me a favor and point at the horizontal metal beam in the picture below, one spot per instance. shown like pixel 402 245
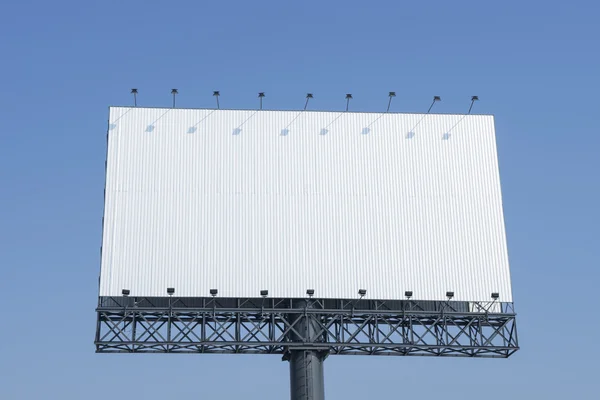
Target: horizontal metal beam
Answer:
pixel 286 304
pixel 345 327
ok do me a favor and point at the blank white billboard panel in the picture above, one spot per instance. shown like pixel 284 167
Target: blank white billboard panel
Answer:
pixel 246 200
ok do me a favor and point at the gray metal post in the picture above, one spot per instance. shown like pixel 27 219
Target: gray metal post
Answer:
pixel 306 366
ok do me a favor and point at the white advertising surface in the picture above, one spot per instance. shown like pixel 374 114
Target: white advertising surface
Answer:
pixel 247 200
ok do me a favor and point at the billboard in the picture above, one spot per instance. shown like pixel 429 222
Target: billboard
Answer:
pixel 249 200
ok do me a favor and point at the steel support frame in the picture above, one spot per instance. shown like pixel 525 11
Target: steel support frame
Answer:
pixel 307 378
pixel 268 326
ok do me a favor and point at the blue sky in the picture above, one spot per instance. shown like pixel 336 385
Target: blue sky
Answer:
pixel 535 65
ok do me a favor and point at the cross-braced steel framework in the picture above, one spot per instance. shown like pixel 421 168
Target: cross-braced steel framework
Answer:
pixel 271 326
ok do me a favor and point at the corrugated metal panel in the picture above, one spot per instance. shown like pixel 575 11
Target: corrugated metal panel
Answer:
pixel 243 200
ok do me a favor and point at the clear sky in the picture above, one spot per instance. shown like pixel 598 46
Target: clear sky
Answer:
pixel 535 65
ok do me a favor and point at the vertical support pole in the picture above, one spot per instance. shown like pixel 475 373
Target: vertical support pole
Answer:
pixel 134 327
pixel 98 328
pixel 169 320
pixel 306 366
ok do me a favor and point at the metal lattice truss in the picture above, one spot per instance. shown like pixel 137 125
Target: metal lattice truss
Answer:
pixel 271 326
